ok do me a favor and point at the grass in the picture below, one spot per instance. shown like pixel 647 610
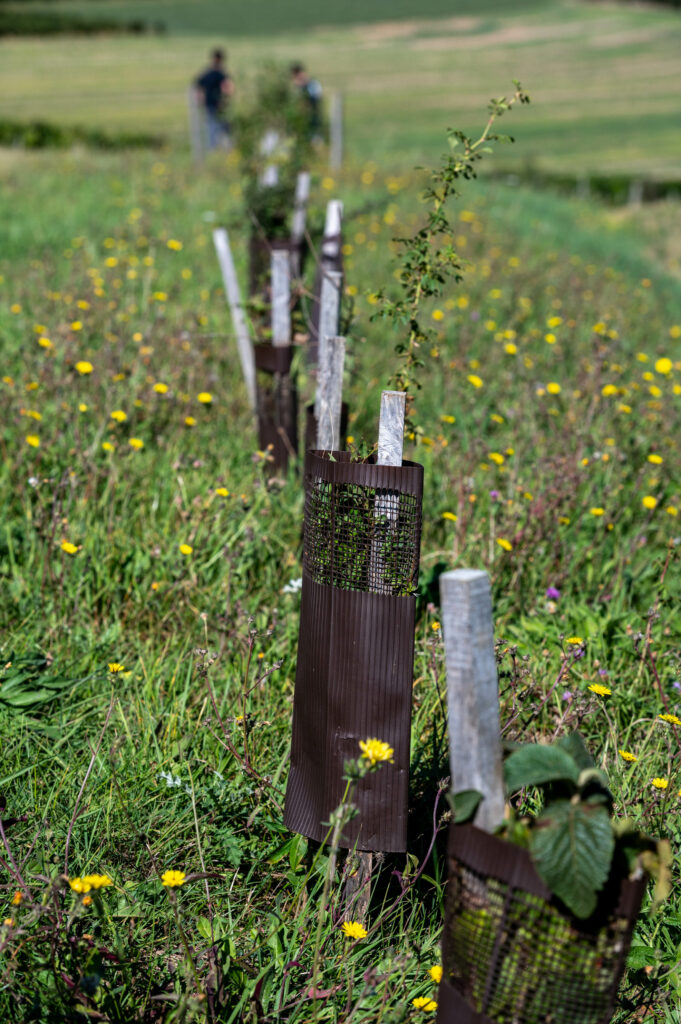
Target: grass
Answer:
pixel 548 419
pixel 184 758
pixel 599 76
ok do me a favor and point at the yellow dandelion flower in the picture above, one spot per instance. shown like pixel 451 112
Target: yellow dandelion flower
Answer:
pixel 655 459
pixel 550 338
pixel 44 342
pixel 160 389
pixel 659 783
pixel 437 314
pixel 186 549
pixel 672 510
pixel 119 416
pixel 576 641
pixel 205 397
pixel 599 690
pixel 76 325
pixel 174 244
pixel 173 879
pixel 597 511
pixel 554 321
pixel 649 501
pixel 222 491
pixel 475 380
pixel 68 547
pixel 672 719
pixel 626 755
pixel 505 544
pixel 436 973
pixel 353 930
pixel 17 898
pixel 675 331
pixel 435 625
pixel 115 666
pixel 79 885
pixel 424 1003
pixel 137 443
pixel 189 421
pixel 376 751
pixel 553 387
pixel 107 446
pixel 84 367
pixel 33 440
pixel 450 515
pixel 663 365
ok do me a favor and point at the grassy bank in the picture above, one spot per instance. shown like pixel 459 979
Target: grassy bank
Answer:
pixel 151 539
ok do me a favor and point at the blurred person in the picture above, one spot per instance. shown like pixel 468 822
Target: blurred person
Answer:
pixel 214 86
pixel 311 95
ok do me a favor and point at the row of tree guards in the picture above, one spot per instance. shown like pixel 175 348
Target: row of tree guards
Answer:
pixel 511 952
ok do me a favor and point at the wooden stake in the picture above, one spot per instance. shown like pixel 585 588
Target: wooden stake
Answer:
pixel 331 395
pixel 300 207
pixel 329 312
pixel 472 691
pixel 243 338
pixel 336 152
pixel 391 428
pixel 281 298
pixel 332 230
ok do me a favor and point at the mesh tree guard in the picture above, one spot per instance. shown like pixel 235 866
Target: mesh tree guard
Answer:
pixel 356 645
pixel 512 954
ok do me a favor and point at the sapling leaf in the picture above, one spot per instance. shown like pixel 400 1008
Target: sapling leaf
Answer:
pixel 573 743
pixel 464 804
pixel 572 846
pixel 536 764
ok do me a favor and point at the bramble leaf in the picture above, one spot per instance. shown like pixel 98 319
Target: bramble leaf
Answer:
pixel 572 846
pixel 537 763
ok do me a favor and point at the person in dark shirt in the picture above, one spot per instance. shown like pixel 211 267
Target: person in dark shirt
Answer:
pixel 214 86
pixel 311 95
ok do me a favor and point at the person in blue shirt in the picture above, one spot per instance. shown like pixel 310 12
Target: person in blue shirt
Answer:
pixel 311 95
pixel 214 86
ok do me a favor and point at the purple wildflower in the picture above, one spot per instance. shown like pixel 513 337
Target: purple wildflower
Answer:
pixel 552 593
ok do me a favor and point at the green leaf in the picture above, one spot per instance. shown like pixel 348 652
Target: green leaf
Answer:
pixel 536 764
pixel 641 956
pixel 572 846
pixel 464 805
pixel 574 745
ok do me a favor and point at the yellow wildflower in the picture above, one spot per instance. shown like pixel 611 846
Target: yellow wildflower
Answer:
pixel 84 367
pixel 649 501
pixel 68 547
pixel 376 751
pixel 186 549
pixel 627 756
pixel 353 930
pixel 505 544
pixel 659 783
pixel 173 879
pixel 424 1003
pixel 436 973
pixel 672 719
pixel 600 690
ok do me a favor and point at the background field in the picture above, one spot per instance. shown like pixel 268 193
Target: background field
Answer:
pixel 603 78
pixel 568 316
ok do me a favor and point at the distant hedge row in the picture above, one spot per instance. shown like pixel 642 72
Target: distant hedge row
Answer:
pixel 45 23
pixel 43 135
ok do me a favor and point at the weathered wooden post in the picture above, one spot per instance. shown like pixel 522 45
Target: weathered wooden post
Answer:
pixel 298 221
pixel 243 338
pixel 472 691
pixel 196 125
pixel 329 315
pixel 330 391
pixel 331 260
pixel 336 148
pixel 356 643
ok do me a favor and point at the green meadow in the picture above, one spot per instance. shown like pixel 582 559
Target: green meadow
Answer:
pixel 149 625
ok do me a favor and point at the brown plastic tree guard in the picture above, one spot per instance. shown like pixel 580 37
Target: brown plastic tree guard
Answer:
pixel 277 407
pixel 362 531
pixel 513 954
